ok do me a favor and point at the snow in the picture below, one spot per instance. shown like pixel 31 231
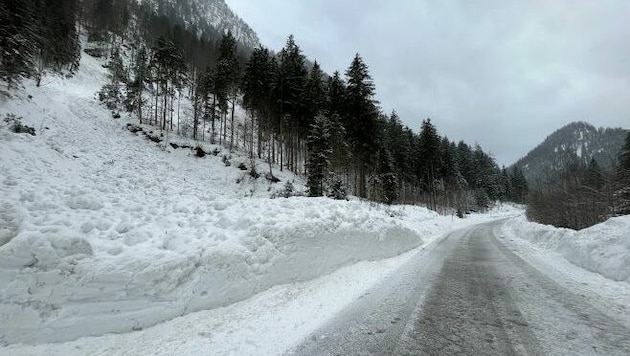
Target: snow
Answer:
pixel 110 244
pixel 104 232
pixel 603 249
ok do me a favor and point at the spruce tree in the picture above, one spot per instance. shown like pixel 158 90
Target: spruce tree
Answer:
pixel 169 70
pixel 258 93
pixel 319 153
pixel 336 95
pixel 110 94
pixel 18 39
pixel 622 180
pixel 226 79
pixel 428 156
pixel 289 91
pixel 135 88
pixel 361 114
pixel 385 181
pixel 518 184
pixel 465 163
pixel 624 154
pixel 314 93
pixel 58 46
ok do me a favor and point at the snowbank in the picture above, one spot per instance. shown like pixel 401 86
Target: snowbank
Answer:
pixel 603 248
pixel 57 282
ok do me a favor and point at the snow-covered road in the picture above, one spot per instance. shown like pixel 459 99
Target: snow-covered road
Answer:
pixel 473 294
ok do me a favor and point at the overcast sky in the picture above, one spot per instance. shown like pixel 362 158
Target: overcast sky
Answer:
pixel 504 74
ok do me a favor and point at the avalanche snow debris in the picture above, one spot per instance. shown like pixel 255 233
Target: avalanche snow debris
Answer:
pixel 128 235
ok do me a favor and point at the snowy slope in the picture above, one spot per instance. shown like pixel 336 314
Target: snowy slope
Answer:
pixel 603 249
pixel 102 231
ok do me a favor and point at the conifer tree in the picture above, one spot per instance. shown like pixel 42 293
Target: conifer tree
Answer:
pixel 110 94
pixel 289 87
pixel 361 114
pixel 135 88
pixel 465 163
pixel 428 159
pixel 319 152
pixel 58 39
pixel 18 40
pixel 622 180
pixel 227 82
pixel 314 93
pixel 518 184
pixel 335 110
pixel 257 93
pixel 385 181
pixel 336 95
pixel 169 69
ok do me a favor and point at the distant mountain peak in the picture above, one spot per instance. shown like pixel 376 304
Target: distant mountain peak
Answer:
pixel 575 142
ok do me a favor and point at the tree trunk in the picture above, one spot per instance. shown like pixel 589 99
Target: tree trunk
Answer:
pixel 232 124
pixel 157 97
pixel 195 116
pixel 140 102
pixel 214 103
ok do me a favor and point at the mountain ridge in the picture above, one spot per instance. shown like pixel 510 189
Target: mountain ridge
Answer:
pixel 201 14
pixel 578 141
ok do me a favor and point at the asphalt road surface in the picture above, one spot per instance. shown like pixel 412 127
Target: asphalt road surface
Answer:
pixel 470 294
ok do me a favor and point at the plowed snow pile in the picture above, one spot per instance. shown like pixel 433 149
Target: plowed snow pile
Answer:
pixel 603 248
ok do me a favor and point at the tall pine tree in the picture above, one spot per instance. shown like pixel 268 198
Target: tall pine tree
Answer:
pixel 361 114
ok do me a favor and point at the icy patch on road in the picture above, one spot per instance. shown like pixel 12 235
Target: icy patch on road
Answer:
pixel 603 248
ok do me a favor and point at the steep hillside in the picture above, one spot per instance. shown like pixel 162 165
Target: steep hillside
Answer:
pixel 201 14
pixel 578 141
pixel 102 230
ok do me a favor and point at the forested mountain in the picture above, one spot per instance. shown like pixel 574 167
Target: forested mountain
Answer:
pixel 170 72
pixel 578 176
pixel 201 15
pixel 577 142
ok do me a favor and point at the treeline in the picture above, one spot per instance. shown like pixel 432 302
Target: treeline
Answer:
pixel 331 129
pixel 38 36
pixel 583 195
pixel 328 128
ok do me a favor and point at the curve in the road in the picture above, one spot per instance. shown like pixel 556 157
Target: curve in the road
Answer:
pixel 468 294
